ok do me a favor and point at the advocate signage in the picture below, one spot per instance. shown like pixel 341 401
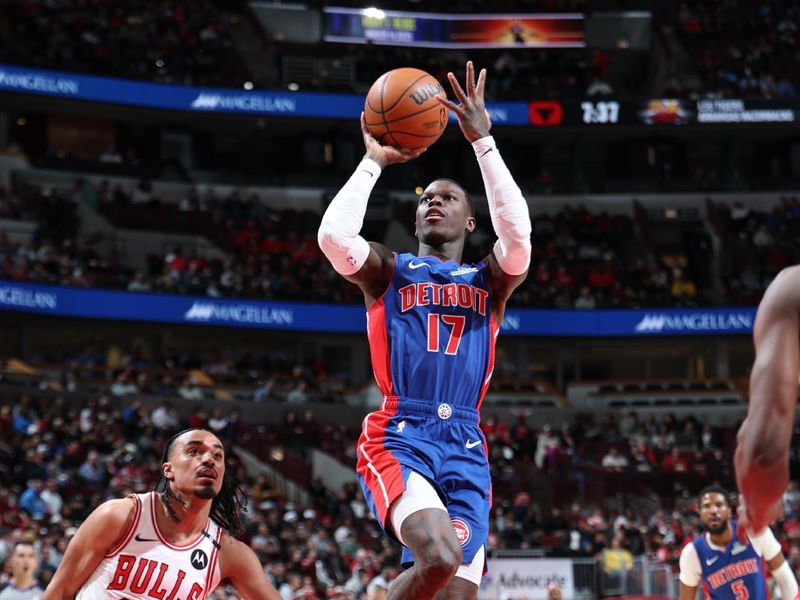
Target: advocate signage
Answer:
pixel 526 578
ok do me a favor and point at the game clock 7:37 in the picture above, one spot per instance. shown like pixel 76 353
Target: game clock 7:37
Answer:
pixel 604 112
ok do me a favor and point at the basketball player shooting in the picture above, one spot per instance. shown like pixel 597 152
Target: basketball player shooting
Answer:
pixel 174 543
pixel 432 325
pixel 762 448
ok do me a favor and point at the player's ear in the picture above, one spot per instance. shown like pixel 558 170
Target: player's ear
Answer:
pixel 169 474
pixel 471 224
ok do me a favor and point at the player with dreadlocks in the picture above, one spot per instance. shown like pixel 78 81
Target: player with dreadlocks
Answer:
pixel 174 543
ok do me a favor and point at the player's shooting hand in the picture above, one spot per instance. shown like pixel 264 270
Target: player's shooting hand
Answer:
pixel 473 118
pixel 385 155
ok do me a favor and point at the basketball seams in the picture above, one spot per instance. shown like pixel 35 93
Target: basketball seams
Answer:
pixel 403 93
pixel 417 135
pixel 369 103
pixel 409 115
pixel 383 113
pixel 386 122
pixel 387 116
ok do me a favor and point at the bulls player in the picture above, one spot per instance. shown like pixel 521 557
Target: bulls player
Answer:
pixel 432 325
pixel 175 543
pixel 727 567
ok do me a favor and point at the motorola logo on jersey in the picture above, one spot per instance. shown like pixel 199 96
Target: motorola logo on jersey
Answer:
pixel 463 532
pixel 449 294
pixel 199 559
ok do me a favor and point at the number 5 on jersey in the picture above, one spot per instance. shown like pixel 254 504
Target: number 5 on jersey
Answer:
pixel 740 592
pixel 457 323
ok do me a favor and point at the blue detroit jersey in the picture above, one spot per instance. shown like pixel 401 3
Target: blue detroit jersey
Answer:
pixel 735 573
pixel 432 334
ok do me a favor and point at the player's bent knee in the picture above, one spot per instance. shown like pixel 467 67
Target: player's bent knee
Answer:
pixel 441 556
pixel 439 564
pixel 429 533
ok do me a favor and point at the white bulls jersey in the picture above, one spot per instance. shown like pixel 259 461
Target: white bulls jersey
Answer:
pixel 145 565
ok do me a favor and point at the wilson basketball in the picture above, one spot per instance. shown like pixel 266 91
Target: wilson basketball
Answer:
pixel 401 109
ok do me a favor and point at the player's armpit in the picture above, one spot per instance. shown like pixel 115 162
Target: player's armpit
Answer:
pixel 98 534
pixel 240 566
pixel 376 274
pixel 686 592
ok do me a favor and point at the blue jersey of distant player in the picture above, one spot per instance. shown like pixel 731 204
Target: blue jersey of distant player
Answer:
pixel 734 573
pixel 432 333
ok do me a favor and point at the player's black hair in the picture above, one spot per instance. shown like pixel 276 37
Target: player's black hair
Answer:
pixel 227 506
pixel 715 489
pixel 469 199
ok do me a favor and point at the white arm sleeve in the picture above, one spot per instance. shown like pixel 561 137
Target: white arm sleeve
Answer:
pixel 691 572
pixel 765 544
pixel 507 207
pixel 786 581
pixel 338 234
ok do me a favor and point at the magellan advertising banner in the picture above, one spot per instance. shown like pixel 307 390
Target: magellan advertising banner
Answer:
pixel 233 312
pixel 590 113
pixel 526 578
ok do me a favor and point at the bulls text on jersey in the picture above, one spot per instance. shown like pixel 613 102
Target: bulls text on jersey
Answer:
pixel 141 575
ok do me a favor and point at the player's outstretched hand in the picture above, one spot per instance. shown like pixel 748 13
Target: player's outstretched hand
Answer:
pixel 385 155
pixel 473 118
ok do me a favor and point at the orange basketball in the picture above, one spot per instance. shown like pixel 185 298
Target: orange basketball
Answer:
pixel 401 109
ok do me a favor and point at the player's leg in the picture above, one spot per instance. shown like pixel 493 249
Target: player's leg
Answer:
pixel 458 589
pixel 421 522
pixel 466 477
pixel 464 585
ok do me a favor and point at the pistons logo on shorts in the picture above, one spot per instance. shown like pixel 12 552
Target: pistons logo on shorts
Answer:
pixel 463 532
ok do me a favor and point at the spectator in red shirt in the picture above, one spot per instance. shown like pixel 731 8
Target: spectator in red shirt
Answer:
pixel 601 276
pixel 675 461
